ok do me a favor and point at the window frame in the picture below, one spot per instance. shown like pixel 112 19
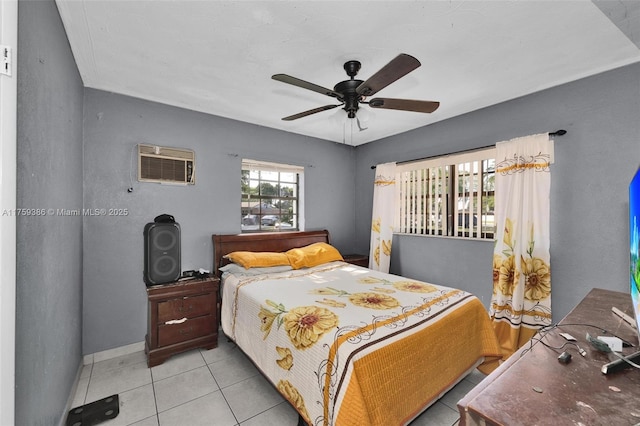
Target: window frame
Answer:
pixel 423 201
pixel 266 201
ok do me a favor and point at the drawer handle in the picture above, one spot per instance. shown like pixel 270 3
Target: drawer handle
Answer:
pixel 180 321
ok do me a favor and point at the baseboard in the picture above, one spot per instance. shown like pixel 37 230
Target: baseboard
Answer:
pixel 74 388
pixel 113 353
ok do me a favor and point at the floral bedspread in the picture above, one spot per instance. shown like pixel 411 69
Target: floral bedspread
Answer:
pixel 348 345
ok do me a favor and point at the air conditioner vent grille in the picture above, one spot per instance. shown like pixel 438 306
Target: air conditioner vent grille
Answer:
pixel 165 165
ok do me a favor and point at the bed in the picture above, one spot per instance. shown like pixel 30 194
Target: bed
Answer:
pixel 346 345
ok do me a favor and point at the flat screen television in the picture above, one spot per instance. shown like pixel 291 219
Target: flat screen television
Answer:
pixel 634 246
pixel 634 274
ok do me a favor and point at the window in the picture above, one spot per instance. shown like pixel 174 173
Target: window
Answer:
pixel 451 195
pixel 271 197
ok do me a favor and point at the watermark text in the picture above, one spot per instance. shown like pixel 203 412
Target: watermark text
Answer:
pixel 65 212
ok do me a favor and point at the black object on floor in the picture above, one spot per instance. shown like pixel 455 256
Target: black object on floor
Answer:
pixel 95 412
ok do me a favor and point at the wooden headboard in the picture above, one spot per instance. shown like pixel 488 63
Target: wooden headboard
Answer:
pixel 270 241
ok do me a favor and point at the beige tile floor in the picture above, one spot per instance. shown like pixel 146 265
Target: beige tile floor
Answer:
pixel 218 387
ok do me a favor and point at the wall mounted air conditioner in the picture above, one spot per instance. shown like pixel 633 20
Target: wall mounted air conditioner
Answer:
pixel 166 165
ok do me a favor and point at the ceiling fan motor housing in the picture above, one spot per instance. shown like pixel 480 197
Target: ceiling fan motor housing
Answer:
pixel 350 97
pixel 348 88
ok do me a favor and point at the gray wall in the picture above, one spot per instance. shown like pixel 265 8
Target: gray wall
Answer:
pixel 114 293
pixel 594 163
pixel 49 248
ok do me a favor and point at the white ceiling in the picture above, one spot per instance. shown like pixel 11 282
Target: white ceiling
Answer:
pixel 218 57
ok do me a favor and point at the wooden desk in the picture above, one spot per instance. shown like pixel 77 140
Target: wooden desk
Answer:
pixel 534 388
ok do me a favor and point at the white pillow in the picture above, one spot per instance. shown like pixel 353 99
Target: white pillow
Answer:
pixel 236 269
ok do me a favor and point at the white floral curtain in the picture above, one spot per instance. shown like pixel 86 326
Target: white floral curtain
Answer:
pixel 382 220
pixel 521 301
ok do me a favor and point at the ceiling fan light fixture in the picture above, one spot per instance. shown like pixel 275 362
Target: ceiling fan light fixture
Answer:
pixel 365 114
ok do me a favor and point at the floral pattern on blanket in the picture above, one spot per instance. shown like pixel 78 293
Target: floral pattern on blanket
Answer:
pixel 291 393
pixel 302 331
pixel 412 286
pixel 365 300
pixel 304 325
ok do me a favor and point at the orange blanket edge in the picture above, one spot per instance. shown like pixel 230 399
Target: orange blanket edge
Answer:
pixel 396 393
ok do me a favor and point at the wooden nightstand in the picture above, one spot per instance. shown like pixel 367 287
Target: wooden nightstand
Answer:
pixel 181 316
pixel 357 259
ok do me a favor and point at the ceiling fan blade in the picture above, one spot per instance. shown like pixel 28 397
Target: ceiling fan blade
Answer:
pixel 400 66
pixel 311 111
pixel 305 85
pixel 404 104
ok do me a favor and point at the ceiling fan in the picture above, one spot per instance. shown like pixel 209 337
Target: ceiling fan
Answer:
pixel 351 93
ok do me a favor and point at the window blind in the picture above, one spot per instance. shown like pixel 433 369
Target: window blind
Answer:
pixel 450 195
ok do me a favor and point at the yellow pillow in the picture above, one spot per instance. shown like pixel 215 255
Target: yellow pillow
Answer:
pixel 250 259
pixel 312 255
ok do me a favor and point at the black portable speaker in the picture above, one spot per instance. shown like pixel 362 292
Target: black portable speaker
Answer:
pixel 161 253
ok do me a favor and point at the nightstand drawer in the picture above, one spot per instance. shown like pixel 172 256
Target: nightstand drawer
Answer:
pixel 188 329
pixel 186 307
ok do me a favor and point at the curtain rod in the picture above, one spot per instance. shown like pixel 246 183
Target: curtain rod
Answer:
pixel 556 133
